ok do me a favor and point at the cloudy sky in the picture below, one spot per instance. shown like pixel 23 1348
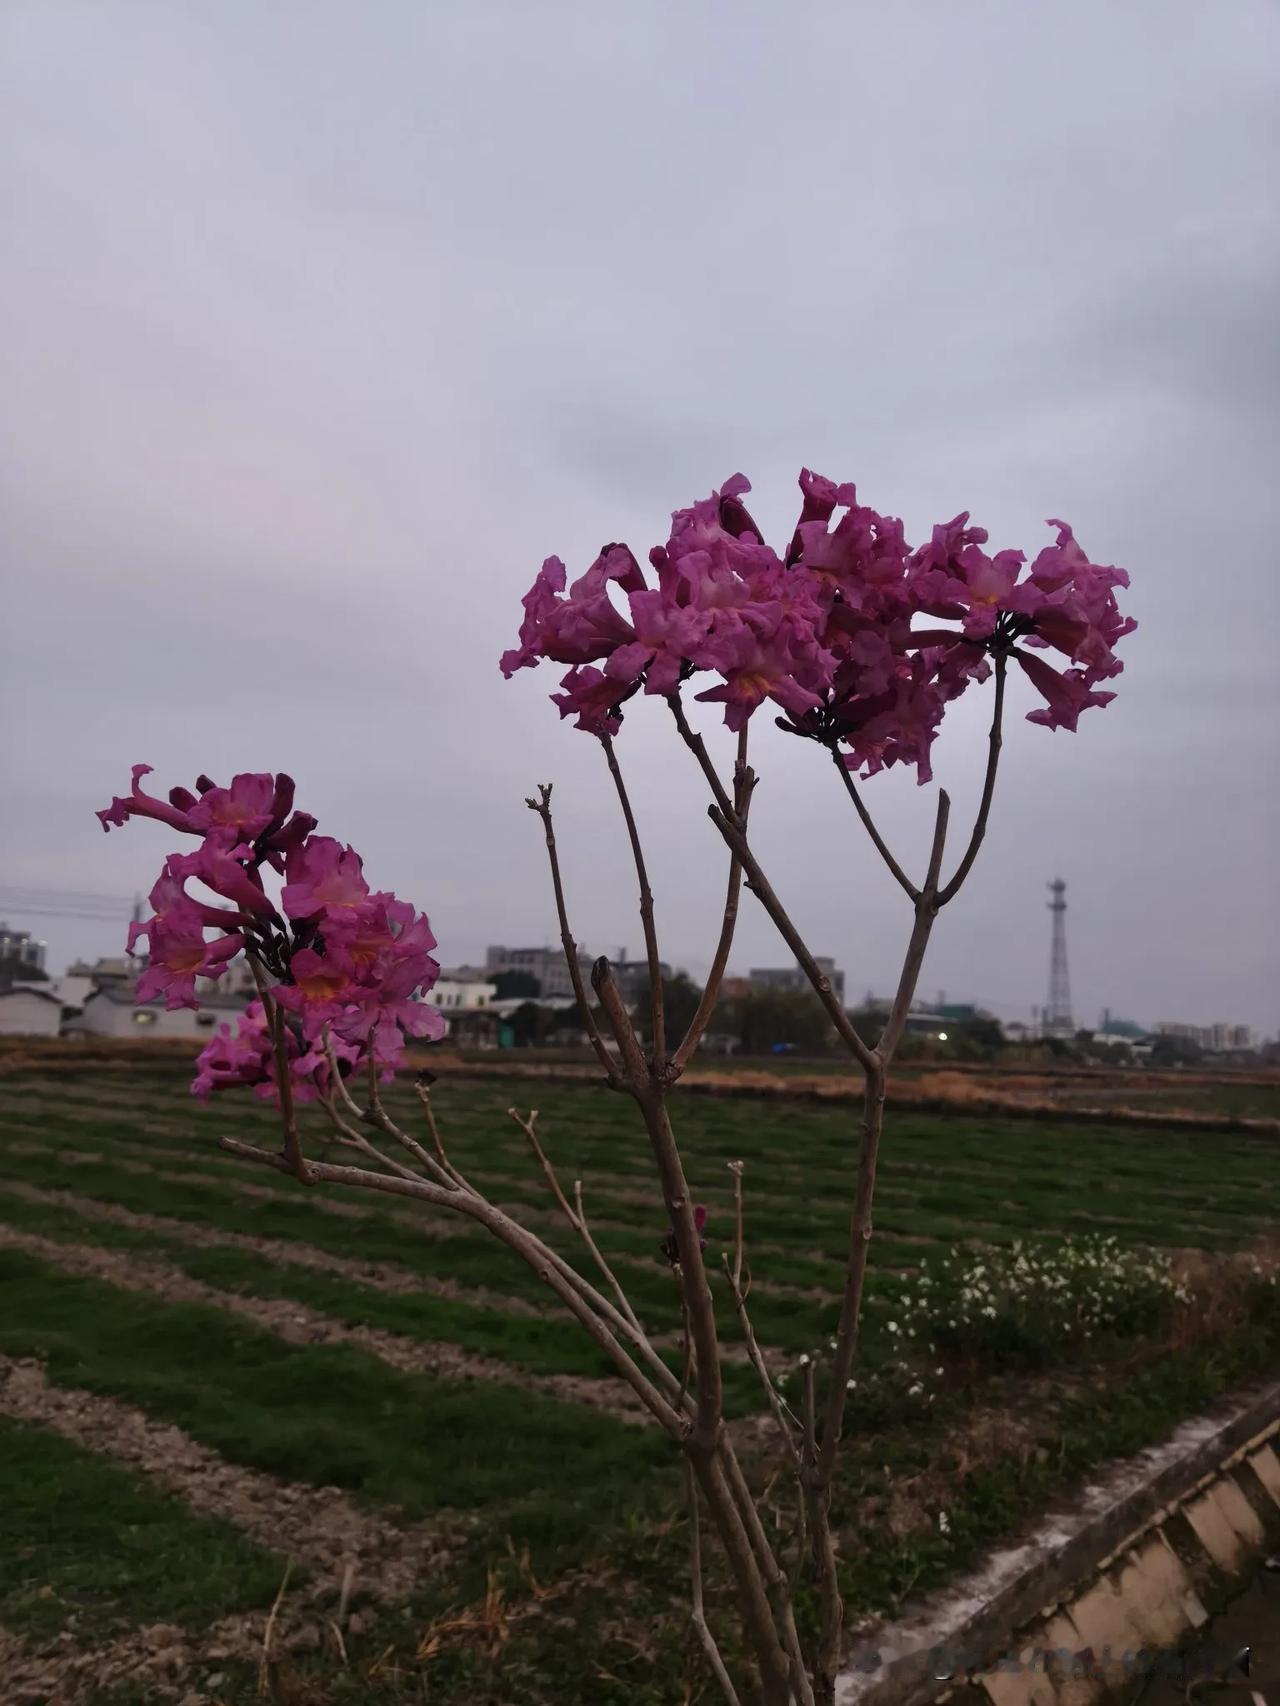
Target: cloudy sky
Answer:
pixel 324 323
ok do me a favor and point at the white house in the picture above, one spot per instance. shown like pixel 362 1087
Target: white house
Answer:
pixel 27 1010
pixel 462 987
pixel 115 1011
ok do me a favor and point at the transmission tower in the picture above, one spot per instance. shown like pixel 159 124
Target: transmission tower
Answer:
pixel 1057 1015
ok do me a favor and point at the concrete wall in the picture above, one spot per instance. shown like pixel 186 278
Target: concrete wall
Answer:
pixel 23 1013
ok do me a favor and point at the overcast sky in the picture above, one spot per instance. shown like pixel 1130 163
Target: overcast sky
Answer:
pixel 324 324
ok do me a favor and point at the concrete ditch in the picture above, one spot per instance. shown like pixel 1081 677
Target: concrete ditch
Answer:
pixel 1102 1595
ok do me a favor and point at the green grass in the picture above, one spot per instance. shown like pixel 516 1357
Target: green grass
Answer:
pixel 591 1499
pixel 328 1415
pixel 86 1540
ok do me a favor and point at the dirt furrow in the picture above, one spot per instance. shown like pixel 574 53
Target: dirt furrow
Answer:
pixel 298 1325
pixel 382 1276
pixel 429 1225
pixel 318 1526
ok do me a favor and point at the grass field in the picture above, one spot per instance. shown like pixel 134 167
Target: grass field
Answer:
pixel 207 1375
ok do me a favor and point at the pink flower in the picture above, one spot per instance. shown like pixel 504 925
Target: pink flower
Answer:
pixel 590 696
pixel 178 954
pixel 232 1058
pixel 323 877
pixel 228 872
pixel 828 634
pixel 139 804
pixel 243 810
pixel 168 895
pixel 1067 692
pixel 666 634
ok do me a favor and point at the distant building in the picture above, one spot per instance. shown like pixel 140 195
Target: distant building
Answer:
pixel 1219 1038
pixel 791 980
pixel 632 977
pixel 462 987
pixel 115 969
pixel 21 946
pixel 113 1010
pixel 29 1010
pixel 548 965
pixel 479 1027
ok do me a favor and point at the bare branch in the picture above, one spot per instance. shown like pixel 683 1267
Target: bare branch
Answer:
pixel 637 1068
pixel 376 1114
pixel 782 1415
pixel 926 912
pixel 855 1273
pixel 548 1267
pixel 900 876
pixel 542 805
pixel 576 1216
pixel 759 885
pixel 423 1093
pixel 585 1229
pixel 994 741
pixel 698 747
pixel 657 999
pixel 698 1614
pixel 743 783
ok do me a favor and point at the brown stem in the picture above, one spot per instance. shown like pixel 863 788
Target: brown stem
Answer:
pixel 760 886
pixel 868 824
pixel 698 747
pixel 777 1586
pixel 759 1619
pixel 576 1216
pixel 994 742
pixel 529 1248
pixel 926 911
pixel 423 1092
pixel 637 1068
pixel 695 1288
pixel 542 805
pixel 743 781
pixel 697 1613
pixel 657 997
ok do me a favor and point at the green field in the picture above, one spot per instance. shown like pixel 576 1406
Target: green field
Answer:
pixel 287 1339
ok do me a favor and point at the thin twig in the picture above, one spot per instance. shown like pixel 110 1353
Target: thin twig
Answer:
pixel 821 983
pixel 699 1618
pixel 264 1663
pixel 868 823
pixel 584 1228
pixel 576 1215
pixel 994 741
pixel 743 782
pixel 376 1115
pixel 578 1298
pixel 657 998
pixel 782 1414
pixel 926 913
pixel 542 805
pixel 423 1093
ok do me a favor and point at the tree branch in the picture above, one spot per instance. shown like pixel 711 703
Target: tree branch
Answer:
pixel 760 886
pixel 542 805
pixel 657 999
pixel 529 1248
pixel 994 742
pixel 698 1614
pixel 743 782
pixel 868 823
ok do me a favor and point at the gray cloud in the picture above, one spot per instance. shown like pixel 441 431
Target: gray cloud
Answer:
pixel 322 329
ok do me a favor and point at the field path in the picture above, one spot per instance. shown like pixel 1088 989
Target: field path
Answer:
pixel 296 1324
pixel 318 1526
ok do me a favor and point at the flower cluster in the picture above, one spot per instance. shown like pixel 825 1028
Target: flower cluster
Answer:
pixel 346 967
pixel 1021 1304
pixel 829 633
